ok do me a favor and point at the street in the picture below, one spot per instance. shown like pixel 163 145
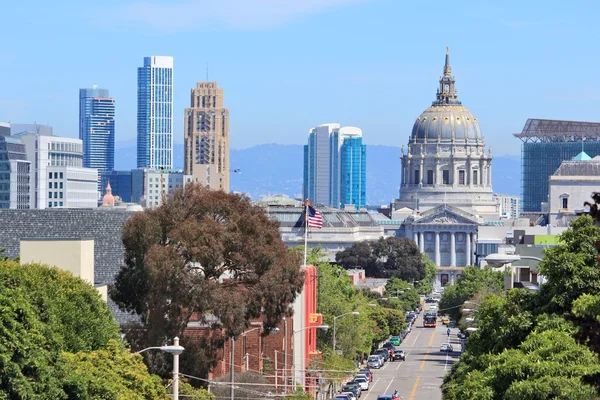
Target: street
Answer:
pixel 421 375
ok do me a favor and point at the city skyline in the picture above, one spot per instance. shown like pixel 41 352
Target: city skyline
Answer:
pixel 534 64
pixel 97 128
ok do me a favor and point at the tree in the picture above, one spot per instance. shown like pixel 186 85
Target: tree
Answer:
pixel 407 296
pixel 53 324
pixel 473 280
pixel 385 258
pixel 425 285
pixel 204 251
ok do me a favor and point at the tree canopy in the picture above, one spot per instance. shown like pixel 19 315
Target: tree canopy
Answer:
pixel 385 258
pixel 538 345
pixel 204 251
pixel 59 340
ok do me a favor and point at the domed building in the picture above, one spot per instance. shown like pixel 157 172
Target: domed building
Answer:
pixel 446 189
pixel 446 161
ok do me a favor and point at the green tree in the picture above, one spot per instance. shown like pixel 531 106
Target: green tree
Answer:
pixel 59 340
pixel 472 281
pixel 425 285
pixel 385 258
pixel 203 251
pixel 407 297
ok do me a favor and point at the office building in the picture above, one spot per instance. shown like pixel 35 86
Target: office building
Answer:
pixel 97 128
pixel 150 185
pixel 206 134
pixel 59 178
pixel 155 113
pixel 335 166
pixel 15 172
pixel 510 206
pixel 545 145
pixel 121 183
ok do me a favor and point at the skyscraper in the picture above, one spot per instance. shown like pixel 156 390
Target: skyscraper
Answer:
pixel 97 128
pixel 206 131
pixel 155 113
pixel 335 166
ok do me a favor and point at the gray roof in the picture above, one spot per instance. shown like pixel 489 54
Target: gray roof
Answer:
pixel 446 122
pixel 103 226
pixel 579 168
pixel 292 217
pixel 551 130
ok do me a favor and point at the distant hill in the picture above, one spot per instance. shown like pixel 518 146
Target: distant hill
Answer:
pixel 277 169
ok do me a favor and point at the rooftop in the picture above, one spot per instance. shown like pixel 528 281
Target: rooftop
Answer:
pixel 550 130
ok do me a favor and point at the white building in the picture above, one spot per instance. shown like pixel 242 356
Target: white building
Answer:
pixel 59 179
pixel 161 183
pixel 15 172
pixel 570 186
pixel 510 206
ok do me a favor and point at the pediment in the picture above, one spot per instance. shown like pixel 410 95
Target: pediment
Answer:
pixel 444 215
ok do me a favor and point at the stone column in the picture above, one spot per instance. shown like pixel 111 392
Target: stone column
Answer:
pixel 489 175
pixel 421 242
pixel 421 172
pixel 452 249
pixel 468 250
pixel 416 238
pixel 473 248
pixel 437 249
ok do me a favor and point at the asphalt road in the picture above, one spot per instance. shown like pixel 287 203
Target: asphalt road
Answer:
pixel 421 375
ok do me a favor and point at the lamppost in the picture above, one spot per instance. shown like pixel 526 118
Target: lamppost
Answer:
pixel 471 302
pixel 232 354
pixel 321 327
pixel 176 350
pixel 334 324
pixel 498 260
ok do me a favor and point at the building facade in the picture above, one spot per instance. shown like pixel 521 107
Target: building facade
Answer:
pixel 155 113
pixel 570 186
pixel 15 174
pixel 59 178
pixel 335 166
pixel 97 128
pixel 545 145
pixel 206 134
pixel 510 206
pixel 446 161
pixel 149 185
pixel 121 183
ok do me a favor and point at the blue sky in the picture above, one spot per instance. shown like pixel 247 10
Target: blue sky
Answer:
pixel 288 65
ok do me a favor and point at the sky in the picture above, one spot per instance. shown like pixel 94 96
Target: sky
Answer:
pixel 289 65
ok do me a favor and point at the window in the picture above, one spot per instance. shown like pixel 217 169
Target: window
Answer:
pixel 56 175
pixel 55 204
pixel 61 195
pixel 61 175
pixel 61 203
pixel 49 185
pixel 49 195
pixel 475 180
pixel 461 177
pixel 55 185
pixel 417 176
pixel 565 202
pixel 430 177
pixel 61 185
pixel 50 175
pixel 446 177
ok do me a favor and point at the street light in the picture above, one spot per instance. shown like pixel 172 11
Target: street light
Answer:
pixel 471 329
pixel 469 319
pixel 335 320
pixel 468 310
pixel 176 350
pixel 471 302
pixel 498 260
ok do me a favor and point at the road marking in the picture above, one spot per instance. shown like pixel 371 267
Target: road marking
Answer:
pixel 414 389
pixel 431 340
pixel 388 386
pixel 402 363
pixel 371 387
pixel 415 341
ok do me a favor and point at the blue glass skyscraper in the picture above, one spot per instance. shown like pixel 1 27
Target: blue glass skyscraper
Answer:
pixel 155 113
pixel 353 165
pixel 97 128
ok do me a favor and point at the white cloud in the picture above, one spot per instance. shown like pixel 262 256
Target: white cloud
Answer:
pixel 234 14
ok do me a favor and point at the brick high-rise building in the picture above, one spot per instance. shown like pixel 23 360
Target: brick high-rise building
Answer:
pixel 206 134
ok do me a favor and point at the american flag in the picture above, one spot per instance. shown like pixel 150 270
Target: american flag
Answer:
pixel 315 220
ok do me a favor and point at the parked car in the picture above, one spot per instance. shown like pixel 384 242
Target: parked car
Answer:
pixel 430 300
pixel 384 353
pixel 342 397
pixel 395 340
pixel 446 347
pixel 385 397
pixel 367 372
pixel 352 388
pixel 374 361
pixel 359 375
pixel 399 355
pixel 388 345
pixel 460 335
pixel 363 382
pixel 351 395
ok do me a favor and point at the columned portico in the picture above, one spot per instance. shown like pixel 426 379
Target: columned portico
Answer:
pixel 452 249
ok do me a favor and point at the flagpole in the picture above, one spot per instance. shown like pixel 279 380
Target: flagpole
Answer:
pixel 305 231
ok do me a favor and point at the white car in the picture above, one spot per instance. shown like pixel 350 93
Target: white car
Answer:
pixel 362 382
pixel 350 395
pixel 362 376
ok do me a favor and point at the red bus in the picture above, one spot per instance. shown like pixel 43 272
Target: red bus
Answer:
pixel 430 321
